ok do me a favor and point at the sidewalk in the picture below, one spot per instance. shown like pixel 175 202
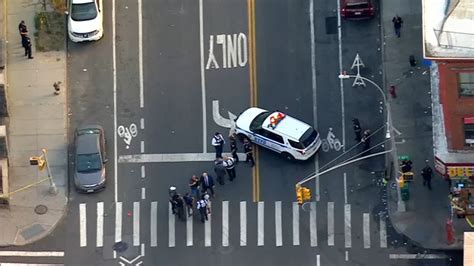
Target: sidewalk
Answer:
pixel 37 120
pixel 426 213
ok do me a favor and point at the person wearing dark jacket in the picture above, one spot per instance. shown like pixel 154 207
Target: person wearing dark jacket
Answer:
pixel 427 174
pixel 207 183
pixel 248 151
pixel 233 148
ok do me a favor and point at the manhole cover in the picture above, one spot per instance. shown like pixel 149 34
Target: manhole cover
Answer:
pixel 41 209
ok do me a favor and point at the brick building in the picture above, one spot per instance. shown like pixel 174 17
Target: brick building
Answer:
pixel 448 36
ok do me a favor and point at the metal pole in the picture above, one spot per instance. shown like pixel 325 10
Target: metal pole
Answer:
pixel 52 189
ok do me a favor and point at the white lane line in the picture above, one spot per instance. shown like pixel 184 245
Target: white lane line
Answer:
pixel 225 223
pixel 347 255
pixel 366 230
pixel 31 254
pixel 203 80
pixel 260 217
pixel 136 223
pixel 140 52
pixel 142 249
pixel 153 224
pixel 114 74
pixel 100 225
pixel 318 260
pixel 118 222
pixel 243 223
pixel 173 157
pixel 347 226
pixel 142 146
pixel 313 232
pixel 207 230
pixel 189 230
pixel 296 224
pixel 330 223
pixel 278 227
pixel 171 224
pixel 313 86
pixel 341 83
pixel 416 256
pixel 143 171
pixel 345 188
pixel 143 193
pixel 82 225
pixel 142 123
pixel 383 233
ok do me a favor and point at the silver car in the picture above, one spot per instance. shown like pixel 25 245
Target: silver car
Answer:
pixel 90 159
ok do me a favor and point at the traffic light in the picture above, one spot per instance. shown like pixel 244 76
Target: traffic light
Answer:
pixel 299 195
pixel 306 194
pixel 39 161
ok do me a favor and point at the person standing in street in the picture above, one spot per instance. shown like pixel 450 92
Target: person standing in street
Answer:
pixel 357 129
pixel 397 25
pixel 202 206
pixel 177 206
pixel 218 143
pixel 220 171
pixel 194 186
pixel 207 183
pixel 189 201
pixel 427 174
pixel 366 139
pixel 248 152
pixel 233 148
pixel 229 164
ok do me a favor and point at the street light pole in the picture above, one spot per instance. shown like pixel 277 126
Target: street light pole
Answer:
pixel 52 189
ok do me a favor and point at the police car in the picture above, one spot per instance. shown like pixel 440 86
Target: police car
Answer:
pixel 279 132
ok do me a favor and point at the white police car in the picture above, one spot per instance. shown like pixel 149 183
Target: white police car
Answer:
pixel 276 131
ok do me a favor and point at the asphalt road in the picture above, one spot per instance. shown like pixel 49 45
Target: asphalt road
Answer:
pixel 164 82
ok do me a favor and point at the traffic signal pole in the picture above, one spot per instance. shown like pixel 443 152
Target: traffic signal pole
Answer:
pixel 52 186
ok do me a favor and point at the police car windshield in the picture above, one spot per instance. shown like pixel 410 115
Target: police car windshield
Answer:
pixel 308 137
pixel 258 121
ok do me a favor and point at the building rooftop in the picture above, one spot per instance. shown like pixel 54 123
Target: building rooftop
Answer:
pixel 448 29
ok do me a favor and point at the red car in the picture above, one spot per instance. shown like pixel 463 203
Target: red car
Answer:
pixel 357 9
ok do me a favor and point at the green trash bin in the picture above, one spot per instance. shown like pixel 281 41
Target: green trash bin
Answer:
pixel 405 192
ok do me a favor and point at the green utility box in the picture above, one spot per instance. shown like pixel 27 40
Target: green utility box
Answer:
pixel 405 192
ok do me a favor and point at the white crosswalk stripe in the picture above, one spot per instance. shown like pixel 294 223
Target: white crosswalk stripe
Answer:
pixel 153 224
pixel 230 223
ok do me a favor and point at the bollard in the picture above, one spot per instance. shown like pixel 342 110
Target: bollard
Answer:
pixel 449 232
pixel 392 91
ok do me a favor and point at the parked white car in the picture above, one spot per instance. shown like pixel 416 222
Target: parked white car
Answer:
pixel 85 20
pixel 279 132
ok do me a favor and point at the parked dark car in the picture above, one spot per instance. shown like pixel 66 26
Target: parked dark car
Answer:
pixel 357 9
pixel 90 159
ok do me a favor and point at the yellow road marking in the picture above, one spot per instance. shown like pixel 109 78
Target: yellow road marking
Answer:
pixel 253 93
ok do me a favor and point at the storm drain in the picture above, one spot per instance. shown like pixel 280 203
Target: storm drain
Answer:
pixel 41 209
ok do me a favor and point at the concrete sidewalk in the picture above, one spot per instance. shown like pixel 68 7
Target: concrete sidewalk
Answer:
pixel 37 120
pixel 426 213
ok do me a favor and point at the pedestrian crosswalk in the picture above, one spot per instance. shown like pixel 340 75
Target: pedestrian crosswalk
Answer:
pixel 258 224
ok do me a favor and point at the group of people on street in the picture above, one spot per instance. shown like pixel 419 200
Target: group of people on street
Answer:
pixel 218 142
pixel 25 39
pixel 189 200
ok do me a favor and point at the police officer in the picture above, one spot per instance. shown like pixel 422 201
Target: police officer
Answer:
pixel 218 143
pixel 248 151
pixel 26 42
pixel 22 29
pixel 229 164
pixel 427 174
pixel 233 148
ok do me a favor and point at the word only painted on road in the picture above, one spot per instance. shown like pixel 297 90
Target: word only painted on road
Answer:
pixel 127 133
pixel 234 51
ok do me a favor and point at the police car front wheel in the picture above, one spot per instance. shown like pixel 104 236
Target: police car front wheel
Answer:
pixel 288 156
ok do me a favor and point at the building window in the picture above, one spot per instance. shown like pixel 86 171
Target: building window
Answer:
pixel 469 131
pixel 466 84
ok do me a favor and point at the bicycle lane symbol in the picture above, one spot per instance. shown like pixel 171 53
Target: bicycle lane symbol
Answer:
pixel 331 142
pixel 127 133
